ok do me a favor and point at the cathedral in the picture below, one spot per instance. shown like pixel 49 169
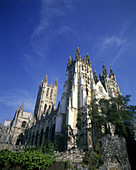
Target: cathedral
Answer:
pixel 49 122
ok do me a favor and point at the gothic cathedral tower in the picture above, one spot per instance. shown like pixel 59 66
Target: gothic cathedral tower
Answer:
pixel 46 98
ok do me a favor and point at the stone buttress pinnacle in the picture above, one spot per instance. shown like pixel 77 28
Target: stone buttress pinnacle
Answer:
pixel 78 56
pixel 22 107
pixel 112 75
pixel 104 73
pixel 88 58
pixel 95 76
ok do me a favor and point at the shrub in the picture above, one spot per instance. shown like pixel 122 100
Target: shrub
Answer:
pixel 30 158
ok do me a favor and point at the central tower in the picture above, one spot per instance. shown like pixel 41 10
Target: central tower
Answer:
pixel 76 91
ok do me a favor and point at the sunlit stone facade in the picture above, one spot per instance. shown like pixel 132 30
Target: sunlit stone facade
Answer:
pixel 80 88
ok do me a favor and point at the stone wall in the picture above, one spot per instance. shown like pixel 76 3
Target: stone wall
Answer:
pixel 114 153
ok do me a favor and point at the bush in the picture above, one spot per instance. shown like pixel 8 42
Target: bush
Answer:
pixel 30 158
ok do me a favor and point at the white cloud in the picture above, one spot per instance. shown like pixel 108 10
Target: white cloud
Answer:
pixel 50 9
pixel 109 41
pixel 16 97
pixel 113 40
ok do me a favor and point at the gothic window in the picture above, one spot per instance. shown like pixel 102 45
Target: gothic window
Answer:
pixel 86 91
pixel 49 109
pixel 47 92
pixel 51 93
pixel 20 139
pixel 45 107
pixel 23 124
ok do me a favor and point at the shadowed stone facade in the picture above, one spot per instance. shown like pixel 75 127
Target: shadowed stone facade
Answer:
pixel 47 122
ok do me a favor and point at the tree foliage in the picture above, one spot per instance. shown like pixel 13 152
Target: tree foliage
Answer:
pixel 29 158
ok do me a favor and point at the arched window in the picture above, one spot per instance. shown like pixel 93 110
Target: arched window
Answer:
pixel 24 124
pixel 51 93
pixel 45 108
pixel 20 139
pixel 47 92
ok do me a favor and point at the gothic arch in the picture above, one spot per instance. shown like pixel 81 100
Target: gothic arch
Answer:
pixel 23 124
pixel 20 139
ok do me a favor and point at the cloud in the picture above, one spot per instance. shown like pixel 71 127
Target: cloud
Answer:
pixel 51 25
pixel 108 42
pixel 16 97
pixel 50 9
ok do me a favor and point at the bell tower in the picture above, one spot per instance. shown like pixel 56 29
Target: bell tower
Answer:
pixel 46 98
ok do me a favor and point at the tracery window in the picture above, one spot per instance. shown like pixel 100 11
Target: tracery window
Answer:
pixel 23 124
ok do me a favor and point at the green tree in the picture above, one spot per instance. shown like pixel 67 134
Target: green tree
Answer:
pixel 118 112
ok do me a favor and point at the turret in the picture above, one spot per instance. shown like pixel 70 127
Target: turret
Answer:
pixel 78 56
pixel 95 76
pixel 104 73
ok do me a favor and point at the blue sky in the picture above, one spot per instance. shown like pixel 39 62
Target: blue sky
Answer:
pixel 37 36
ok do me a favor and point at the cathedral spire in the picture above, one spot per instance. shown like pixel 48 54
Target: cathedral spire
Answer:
pixel 95 76
pixel 46 79
pixel 88 58
pixel 104 73
pixel 78 56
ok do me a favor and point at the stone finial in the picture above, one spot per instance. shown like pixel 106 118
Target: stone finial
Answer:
pixel 78 56
pixel 104 73
pixel 46 78
pixel 56 83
